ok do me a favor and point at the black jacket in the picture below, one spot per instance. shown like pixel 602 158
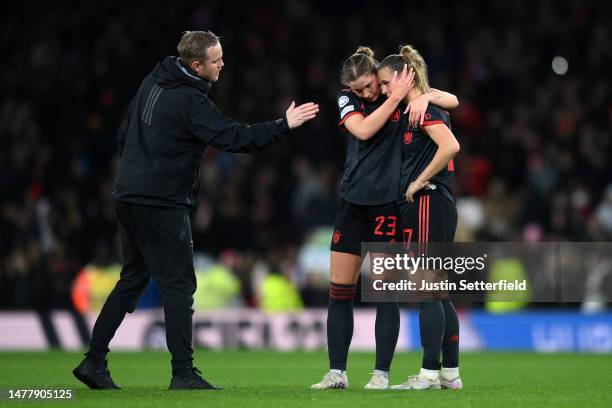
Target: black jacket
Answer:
pixel 169 124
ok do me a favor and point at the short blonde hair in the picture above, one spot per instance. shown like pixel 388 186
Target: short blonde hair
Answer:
pixel 193 45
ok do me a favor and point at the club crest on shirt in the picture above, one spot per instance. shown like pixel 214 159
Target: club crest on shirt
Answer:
pixel 395 116
pixel 408 137
pixel 343 100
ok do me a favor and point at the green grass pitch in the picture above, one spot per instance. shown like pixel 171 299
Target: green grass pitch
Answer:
pixel 274 379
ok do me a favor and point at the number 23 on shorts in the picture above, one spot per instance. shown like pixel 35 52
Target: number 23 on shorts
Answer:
pixel 389 223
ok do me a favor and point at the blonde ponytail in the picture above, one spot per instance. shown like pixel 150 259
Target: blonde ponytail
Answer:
pixel 410 56
pixel 415 61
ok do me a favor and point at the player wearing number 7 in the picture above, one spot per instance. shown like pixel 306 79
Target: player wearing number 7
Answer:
pixel 428 214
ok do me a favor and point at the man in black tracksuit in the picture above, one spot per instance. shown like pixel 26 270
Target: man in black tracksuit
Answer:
pixel 169 124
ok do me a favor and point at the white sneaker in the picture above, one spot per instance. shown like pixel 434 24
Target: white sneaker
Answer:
pixel 379 381
pixel 332 380
pixel 451 383
pixel 418 382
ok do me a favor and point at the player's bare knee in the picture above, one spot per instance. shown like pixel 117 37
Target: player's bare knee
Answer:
pixel 344 268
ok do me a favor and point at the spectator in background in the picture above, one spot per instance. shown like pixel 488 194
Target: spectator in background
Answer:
pixel 58 134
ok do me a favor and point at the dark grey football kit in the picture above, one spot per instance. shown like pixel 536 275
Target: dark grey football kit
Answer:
pixel 367 213
pixel 367 209
pixel 432 217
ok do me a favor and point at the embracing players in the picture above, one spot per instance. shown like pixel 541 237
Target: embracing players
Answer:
pixel 367 210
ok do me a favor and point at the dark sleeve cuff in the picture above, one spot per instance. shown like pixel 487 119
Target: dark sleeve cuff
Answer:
pixel 283 127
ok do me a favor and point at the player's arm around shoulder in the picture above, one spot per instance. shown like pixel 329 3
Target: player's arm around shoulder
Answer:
pixel 418 107
pixel 443 99
pixel 363 126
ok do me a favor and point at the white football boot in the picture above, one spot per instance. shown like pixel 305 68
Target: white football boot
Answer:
pixel 419 382
pixel 333 379
pixel 450 383
pixel 379 381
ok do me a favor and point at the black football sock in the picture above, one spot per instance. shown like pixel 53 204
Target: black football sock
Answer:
pixel 386 332
pixel 450 342
pixel 431 324
pixel 339 324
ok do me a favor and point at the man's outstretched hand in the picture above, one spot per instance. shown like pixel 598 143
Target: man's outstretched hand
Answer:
pixel 296 116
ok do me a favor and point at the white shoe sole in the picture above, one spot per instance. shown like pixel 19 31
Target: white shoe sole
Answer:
pixel 400 388
pixel 372 387
pixel 336 387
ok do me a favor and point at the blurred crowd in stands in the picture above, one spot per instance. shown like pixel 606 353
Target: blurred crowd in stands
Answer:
pixel 534 163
